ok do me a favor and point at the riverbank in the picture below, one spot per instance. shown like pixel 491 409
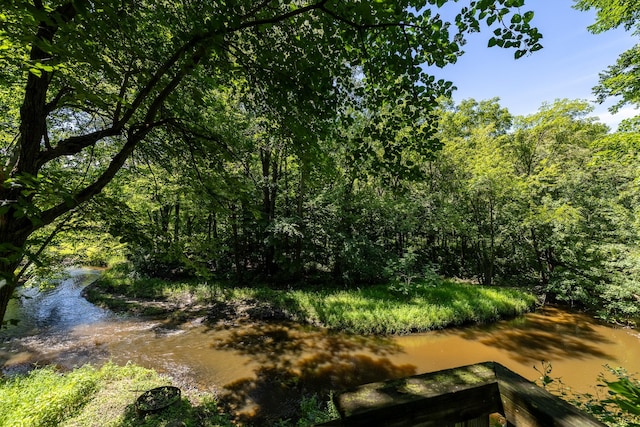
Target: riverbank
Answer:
pixel 263 372
pixel 103 397
pixel 376 309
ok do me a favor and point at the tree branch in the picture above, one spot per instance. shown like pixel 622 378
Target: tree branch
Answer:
pixel 75 144
pixel 52 105
pixel 48 216
pixel 365 26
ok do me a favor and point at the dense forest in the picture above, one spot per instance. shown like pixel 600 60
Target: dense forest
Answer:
pixel 546 201
pixel 304 142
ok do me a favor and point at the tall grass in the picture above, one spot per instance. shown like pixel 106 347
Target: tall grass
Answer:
pixel 45 398
pixel 104 397
pixel 379 309
pixel 88 396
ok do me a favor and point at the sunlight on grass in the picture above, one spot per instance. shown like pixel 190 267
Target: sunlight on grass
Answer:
pixel 88 396
pixel 376 309
pixel 379 310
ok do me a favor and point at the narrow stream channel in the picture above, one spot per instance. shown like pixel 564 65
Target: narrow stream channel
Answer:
pixel 59 326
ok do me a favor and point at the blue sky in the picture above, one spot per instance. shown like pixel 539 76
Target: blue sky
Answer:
pixel 567 66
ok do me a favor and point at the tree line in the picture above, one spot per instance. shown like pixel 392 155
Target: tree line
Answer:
pixel 547 202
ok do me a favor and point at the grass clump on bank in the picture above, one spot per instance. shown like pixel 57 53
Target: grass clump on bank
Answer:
pixel 88 396
pixel 377 309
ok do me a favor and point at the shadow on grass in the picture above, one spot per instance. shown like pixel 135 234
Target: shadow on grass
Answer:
pixel 551 334
pixel 182 413
pixel 295 362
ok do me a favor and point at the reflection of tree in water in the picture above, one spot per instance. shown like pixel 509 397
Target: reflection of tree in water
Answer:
pixel 295 362
pixel 550 335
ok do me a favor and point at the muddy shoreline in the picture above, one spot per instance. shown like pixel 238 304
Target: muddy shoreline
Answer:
pixel 186 310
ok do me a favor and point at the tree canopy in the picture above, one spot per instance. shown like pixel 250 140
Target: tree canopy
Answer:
pixel 620 80
pixel 85 85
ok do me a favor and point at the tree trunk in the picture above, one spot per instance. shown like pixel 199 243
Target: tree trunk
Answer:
pixel 176 223
pixel 270 176
pixel 236 244
pixel 297 257
pixel 6 291
pixel 542 268
pixel 10 257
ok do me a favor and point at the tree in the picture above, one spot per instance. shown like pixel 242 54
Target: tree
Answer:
pixel 103 75
pixel 559 216
pixel 478 182
pixel 621 80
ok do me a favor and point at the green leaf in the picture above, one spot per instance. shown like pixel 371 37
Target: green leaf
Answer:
pixel 528 16
pixel 36 72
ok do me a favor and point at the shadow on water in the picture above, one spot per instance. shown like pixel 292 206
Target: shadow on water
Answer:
pixel 551 334
pixel 294 362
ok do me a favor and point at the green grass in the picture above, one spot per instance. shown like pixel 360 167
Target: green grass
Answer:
pixel 88 396
pixel 377 309
pixel 105 397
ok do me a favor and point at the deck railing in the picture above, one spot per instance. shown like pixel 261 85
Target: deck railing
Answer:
pixel 467 396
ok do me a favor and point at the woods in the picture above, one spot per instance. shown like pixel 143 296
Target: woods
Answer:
pixel 545 202
pixel 87 85
pixel 244 166
pixel 290 143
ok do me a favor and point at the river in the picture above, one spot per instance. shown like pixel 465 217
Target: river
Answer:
pixel 248 361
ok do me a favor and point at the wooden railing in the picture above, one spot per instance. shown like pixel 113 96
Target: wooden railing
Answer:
pixel 461 397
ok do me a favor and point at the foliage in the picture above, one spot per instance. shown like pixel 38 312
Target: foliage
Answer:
pixel 547 201
pixel 404 271
pixel 625 393
pixel 300 144
pixel 100 83
pixel 45 397
pixel 314 411
pixel 620 407
pixel 621 79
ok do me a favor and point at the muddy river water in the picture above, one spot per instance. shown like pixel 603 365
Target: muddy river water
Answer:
pixel 60 326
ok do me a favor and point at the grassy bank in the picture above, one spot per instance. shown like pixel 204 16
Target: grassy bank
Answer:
pixel 105 397
pixel 379 309
pixel 101 397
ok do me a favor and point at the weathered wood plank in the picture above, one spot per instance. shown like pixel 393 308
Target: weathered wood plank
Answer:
pixel 434 399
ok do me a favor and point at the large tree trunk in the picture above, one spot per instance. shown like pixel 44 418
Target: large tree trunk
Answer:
pixel 6 291
pixel 11 246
